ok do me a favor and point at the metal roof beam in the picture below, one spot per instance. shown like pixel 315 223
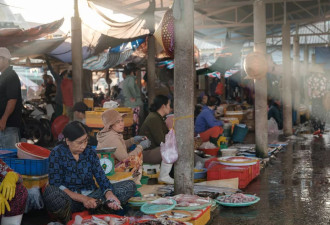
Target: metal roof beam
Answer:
pixel 250 2
pixel 269 22
pixel 136 3
pixel 242 20
pixel 303 8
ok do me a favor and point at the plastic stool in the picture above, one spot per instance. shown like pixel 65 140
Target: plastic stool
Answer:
pixel 151 171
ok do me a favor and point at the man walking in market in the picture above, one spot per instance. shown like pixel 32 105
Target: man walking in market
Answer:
pixel 10 102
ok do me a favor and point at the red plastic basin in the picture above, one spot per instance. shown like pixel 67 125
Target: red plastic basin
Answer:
pixel 30 151
pixel 210 151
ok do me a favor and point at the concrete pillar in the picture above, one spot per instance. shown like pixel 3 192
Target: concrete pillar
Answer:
pixel 184 98
pixel 261 122
pixel 287 96
pixel 77 61
pixel 306 75
pixel 297 77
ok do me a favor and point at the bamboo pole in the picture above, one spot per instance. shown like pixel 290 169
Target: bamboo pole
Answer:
pixel 184 98
pixel 76 47
pixel 287 96
pixel 261 124
pixel 151 70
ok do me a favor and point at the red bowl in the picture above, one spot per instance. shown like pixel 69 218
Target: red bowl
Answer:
pixel 30 151
pixel 210 151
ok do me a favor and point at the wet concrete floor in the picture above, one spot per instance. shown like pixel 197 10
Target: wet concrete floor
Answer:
pixel 294 189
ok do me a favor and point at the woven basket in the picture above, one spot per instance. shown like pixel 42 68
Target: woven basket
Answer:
pixel 255 65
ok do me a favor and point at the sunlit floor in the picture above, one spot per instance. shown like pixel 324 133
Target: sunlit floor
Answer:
pixel 294 189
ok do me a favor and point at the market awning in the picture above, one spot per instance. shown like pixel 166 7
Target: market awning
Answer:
pixel 103 25
pixel 64 54
pixel 113 57
pixel 34 48
pixel 9 37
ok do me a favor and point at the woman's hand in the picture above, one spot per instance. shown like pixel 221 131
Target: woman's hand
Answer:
pixel 114 202
pixel 89 203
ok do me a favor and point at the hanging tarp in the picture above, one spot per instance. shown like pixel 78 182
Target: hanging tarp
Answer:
pixel 95 24
pixel 169 64
pixel 64 54
pixel 114 57
pixel 10 36
pixel 106 42
pixel 231 72
pixel 34 48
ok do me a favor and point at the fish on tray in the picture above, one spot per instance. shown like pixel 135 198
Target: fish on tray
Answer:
pixel 108 220
pixel 162 201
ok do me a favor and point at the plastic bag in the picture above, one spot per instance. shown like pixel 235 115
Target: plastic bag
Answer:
pixel 169 149
pixel 272 131
pixel 34 200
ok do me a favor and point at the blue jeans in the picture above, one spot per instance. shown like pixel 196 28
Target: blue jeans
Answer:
pixel 9 137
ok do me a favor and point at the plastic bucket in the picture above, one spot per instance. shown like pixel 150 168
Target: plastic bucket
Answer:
pixel 240 131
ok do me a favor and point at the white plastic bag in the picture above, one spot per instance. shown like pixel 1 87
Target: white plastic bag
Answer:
pixel 34 200
pixel 273 131
pixel 169 149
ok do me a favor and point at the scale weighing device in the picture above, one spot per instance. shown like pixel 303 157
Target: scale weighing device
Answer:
pixel 106 160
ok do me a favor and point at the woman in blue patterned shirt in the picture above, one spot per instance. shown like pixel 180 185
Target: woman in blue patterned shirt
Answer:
pixel 73 165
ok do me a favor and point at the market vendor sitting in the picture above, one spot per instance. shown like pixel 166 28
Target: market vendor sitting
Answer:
pixel 154 127
pixel 13 196
pixel 206 125
pixel 73 165
pixel 111 136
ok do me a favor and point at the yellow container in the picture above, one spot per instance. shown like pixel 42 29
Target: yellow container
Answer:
pixel 94 118
pixel 35 181
pixel 236 114
pixel 201 217
pixel 89 102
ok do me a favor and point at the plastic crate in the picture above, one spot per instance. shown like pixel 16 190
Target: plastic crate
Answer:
pixel 33 167
pixel 209 161
pixel 94 118
pixel 202 218
pixel 245 174
pixel 8 153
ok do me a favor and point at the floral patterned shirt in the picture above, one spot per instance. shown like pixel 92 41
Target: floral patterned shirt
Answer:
pixel 77 176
